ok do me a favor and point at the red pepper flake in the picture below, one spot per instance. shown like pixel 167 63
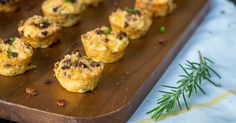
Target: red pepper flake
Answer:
pixel 48 82
pixel 31 91
pixel 161 41
pixel 90 92
pixel 5 40
pixel 106 40
pixel 61 102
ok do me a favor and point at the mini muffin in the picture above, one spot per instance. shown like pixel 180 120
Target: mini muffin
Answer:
pixel 77 73
pixel 158 8
pixel 15 56
pixel 64 12
pixel 105 45
pixel 133 22
pixel 39 32
pixel 88 3
pixel 8 5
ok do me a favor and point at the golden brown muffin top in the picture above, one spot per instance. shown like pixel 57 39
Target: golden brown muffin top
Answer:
pixel 106 39
pixel 14 49
pixel 63 6
pixel 130 17
pixel 38 27
pixel 75 65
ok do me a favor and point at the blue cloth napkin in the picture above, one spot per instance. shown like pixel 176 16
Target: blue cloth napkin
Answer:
pixel 216 39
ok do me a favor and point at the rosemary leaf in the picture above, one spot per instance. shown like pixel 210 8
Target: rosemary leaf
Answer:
pixel 191 81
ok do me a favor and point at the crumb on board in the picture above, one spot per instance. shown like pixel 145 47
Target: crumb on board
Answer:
pixel 31 91
pixel 61 102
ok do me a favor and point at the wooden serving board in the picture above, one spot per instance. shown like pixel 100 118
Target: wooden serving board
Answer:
pixel 122 86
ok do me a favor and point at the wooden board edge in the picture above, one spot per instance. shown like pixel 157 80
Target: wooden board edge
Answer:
pixel 19 113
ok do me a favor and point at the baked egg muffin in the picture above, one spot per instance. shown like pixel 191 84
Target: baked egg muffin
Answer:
pixel 88 3
pixel 64 12
pixel 39 32
pixel 15 56
pixel 8 5
pixel 158 8
pixel 134 22
pixel 105 45
pixel 77 73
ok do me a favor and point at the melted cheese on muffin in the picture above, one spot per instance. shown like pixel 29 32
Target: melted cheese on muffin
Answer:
pixel 39 32
pixel 8 5
pixel 77 73
pixel 15 56
pixel 158 8
pixel 132 21
pixel 64 12
pixel 103 44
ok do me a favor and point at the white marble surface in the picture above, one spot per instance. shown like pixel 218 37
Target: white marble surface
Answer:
pixel 216 39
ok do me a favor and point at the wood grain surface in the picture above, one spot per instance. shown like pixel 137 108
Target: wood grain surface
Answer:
pixel 122 86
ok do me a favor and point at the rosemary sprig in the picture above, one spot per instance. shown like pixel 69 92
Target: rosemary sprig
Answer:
pixel 190 82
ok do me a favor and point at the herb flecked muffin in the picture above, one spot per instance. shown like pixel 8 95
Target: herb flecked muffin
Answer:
pixel 88 3
pixel 39 32
pixel 77 73
pixel 105 45
pixel 15 56
pixel 158 8
pixel 8 5
pixel 132 21
pixel 64 12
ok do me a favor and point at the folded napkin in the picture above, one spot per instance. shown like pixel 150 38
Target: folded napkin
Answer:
pixel 216 39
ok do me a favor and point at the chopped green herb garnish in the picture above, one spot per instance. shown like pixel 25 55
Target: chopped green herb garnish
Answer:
pixel 11 40
pixel 162 29
pixel 107 31
pixel 12 54
pixel 133 11
pixel 69 1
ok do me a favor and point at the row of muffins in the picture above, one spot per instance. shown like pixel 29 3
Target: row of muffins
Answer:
pixel 64 12
pixel 77 73
pixel 36 32
pixel 107 45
